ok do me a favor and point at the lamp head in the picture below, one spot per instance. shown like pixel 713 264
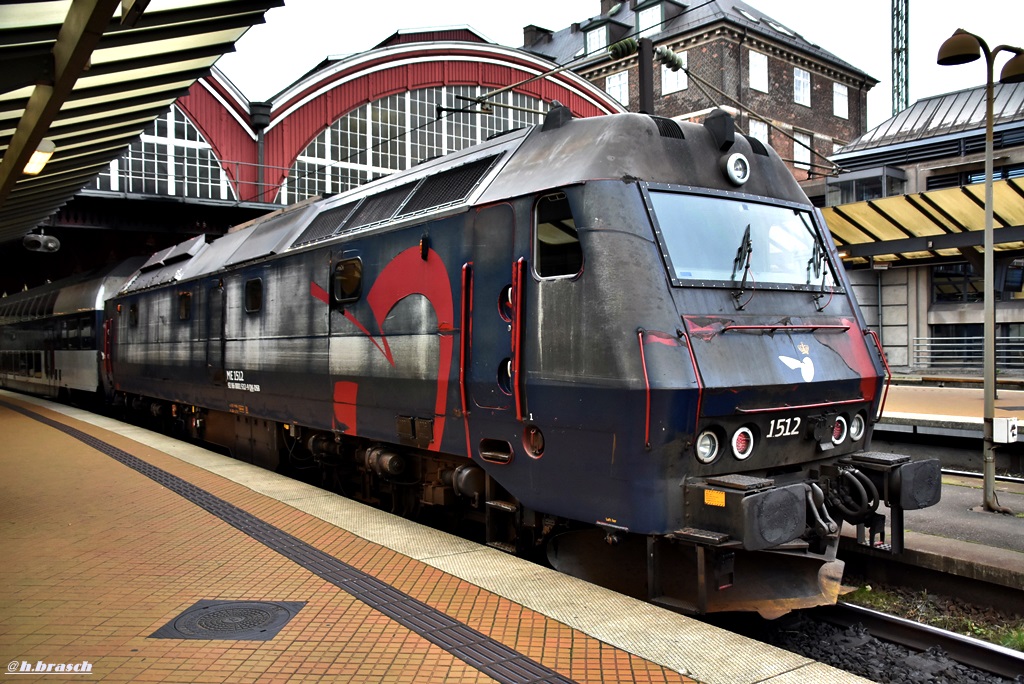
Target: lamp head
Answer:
pixel 1013 70
pixel 960 48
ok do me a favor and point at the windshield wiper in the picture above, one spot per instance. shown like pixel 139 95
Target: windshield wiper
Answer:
pixel 742 260
pixel 818 263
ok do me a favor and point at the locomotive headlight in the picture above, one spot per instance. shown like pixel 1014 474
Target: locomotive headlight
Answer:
pixel 707 446
pixel 839 431
pixel 857 427
pixel 742 443
pixel 737 168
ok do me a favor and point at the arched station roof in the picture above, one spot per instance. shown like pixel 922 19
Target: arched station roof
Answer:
pixel 301 112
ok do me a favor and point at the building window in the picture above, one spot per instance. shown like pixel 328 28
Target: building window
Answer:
pixel 557 249
pixel 840 101
pixel 597 40
pixel 253 295
pixel 759 130
pixel 960 283
pixel 398 132
pixel 617 85
pixel 674 81
pixel 802 150
pixel 867 184
pixel 801 86
pixel 170 158
pixel 758 71
pixel 648 21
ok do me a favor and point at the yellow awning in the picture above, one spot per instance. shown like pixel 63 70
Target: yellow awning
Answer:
pixel 926 225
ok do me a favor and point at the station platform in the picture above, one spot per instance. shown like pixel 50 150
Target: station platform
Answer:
pixel 947 405
pixel 956 537
pixel 130 556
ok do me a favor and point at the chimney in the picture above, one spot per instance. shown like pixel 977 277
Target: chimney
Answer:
pixel 606 5
pixel 535 34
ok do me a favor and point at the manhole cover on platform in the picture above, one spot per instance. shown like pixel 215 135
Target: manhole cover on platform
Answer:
pixel 235 620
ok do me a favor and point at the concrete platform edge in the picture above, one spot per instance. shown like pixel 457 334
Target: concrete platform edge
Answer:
pixel 679 643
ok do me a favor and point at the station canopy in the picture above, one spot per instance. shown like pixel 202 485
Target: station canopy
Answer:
pixel 86 77
pixel 927 225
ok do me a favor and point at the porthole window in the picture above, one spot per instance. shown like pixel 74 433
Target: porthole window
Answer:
pixel 557 249
pixel 253 295
pixel 347 284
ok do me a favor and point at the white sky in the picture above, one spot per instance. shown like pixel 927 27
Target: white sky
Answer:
pixel 299 35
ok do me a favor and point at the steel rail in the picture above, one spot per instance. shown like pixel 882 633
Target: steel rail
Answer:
pixel 978 476
pixel 965 650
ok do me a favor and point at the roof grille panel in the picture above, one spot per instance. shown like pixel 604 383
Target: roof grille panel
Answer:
pixel 324 225
pixel 449 187
pixel 380 207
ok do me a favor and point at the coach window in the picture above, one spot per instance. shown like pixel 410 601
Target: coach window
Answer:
pixel 86 334
pixel 184 306
pixel 253 295
pixel 557 250
pixel 347 284
pixel 73 341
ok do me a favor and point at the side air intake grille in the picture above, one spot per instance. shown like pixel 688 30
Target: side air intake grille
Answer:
pixel 443 189
pixel 668 128
pixel 324 225
pixel 448 187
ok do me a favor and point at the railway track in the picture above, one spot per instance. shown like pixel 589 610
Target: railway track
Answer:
pixel 965 650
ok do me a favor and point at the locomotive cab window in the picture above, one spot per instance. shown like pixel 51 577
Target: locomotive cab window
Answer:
pixel 728 242
pixel 557 251
pixel 184 306
pixel 253 295
pixel 347 282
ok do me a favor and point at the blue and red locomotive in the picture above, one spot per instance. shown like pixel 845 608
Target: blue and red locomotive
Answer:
pixel 625 334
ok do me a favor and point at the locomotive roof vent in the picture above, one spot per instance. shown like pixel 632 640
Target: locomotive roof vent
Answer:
pixel 557 116
pixel 722 128
pixel 668 128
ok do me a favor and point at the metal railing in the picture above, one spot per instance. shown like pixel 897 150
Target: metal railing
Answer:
pixel 966 352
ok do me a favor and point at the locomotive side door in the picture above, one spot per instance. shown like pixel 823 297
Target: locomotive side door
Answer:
pixel 215 333
pixel 490 336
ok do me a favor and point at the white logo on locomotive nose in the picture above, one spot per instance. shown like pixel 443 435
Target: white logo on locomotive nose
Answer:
pixel 806 366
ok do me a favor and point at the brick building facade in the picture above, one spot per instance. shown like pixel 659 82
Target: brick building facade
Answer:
pixel 735 57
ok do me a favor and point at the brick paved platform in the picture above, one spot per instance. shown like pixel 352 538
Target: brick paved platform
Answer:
pixel 97 557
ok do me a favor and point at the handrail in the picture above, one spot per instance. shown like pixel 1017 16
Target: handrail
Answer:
pixel 518 280
pixel 800 407
pixel 960 352
pixel 696 374
pixel 810 326
pixel 466 338
pixel 647 389
pixel 888 373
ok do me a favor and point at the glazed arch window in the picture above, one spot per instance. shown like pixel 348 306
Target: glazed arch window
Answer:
pixel 253 295
pixel 557 250
pixel 347 282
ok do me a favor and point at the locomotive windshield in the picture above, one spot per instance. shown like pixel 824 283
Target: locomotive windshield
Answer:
pixel 732 241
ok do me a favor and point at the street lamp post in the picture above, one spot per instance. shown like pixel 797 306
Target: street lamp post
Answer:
pixel 960 48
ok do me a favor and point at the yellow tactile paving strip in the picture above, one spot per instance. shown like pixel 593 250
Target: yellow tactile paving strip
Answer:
pixel 96 557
